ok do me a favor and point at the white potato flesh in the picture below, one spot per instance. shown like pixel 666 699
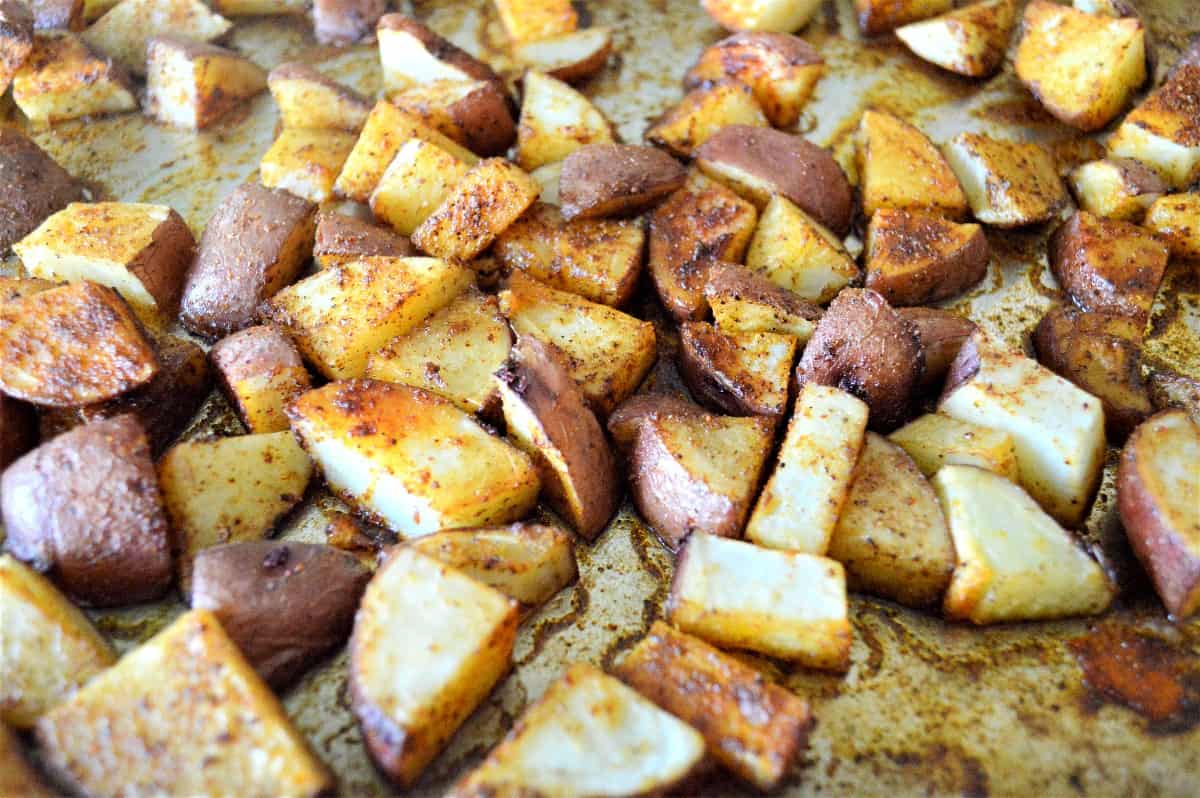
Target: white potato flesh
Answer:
pixel 935 440
pixel 407 62
pixel 555 121
pixel 123 31
pixel 1008 183
pixel 777 16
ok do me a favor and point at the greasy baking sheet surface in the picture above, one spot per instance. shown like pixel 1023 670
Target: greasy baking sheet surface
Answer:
pixel 927 707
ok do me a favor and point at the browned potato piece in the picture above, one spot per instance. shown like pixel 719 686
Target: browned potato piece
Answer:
pixel 74 345
pixel 413 54
pixel 916 258
pixel 1162 132
pixel 616 180
pixel 285 604
pixel 16 287
pixel 623 423
pixel 570 57
pixel 475 114
pixel 547 416
pixel 757 163
pixel 192 85
pixel 308 98
pixel 254 245
pixel 58 14
pixel 1099 352
pixel 942 334
pixel 900 168
pixel 969 41
pixel 1108 265
pixel 340 238
pixel 341 22
pixel 17 777
pixel 877 17
pixel 745 301
pixel 104 540
pixel 306 161
pixel 261 373
pixel 863 346
pixel 1008 183
pixel 16 39
pixel 32 186
pixel 124 31
pixel 781 16
pixel 700 223
pixel 18 430
pixel 702 113
pixel 742 374
pixel 754 727
pixel 527 20
pixel 1175 219
pixel 780 68
pixel 63 78
pixel 556 120
pixel 1119 188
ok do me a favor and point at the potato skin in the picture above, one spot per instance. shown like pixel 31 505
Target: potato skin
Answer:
pixel 17 24
pixel 942 334
pixel 104 540
pixel 950 258
pixel 343 237
pixel 600 180
pixel 18 429
pixel 32 186
pixel 285 604
pixel 705 355
pixel 624 422
pixel 340 22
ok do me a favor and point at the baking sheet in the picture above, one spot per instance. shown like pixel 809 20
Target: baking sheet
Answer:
pixel 926 708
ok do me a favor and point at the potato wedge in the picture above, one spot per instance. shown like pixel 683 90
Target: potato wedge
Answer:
pixel 742 374
pixel 16 39
pixel 935 440
pixel 306 161
pixel 600 180
pixel 799 507
pixel 193 85
pixel 63 78
pixel 744 301
pixel 571 57
pixel 917 258
pixel 261 373
pixel 794 608
pixel 891 535
pixel 1175 220
pixel 415 183
pixel 339 317
pixel 49 650
pixel 1118 188
pixel 556 121
pixel 900 168
pixel 1014 562
pixel 342 22
pixel 796 252
pixel 969 41
pixel 160 698
pixel 779 16
pixel 876 17
pixel 475 114
pixel 17 775
pixel 340 239
pixel 285 605
pixel 125 30
pixel 49 352
pixel 942 333
pixel 624 422
pixel 1057 429
pixel 412 54
pixel 527 562
pixel 307 98
pixel 530 20
pixel 702 113
pixel 1008 183
pixel 32 187
pixel 603 738
pixel 413 684
pixel 1083 68
pixel 1159 502
pixel 18 430
pixel 1162 132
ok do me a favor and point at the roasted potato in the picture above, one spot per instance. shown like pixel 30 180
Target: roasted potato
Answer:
pixel 16 287
pixel 49 649
pixel 615 180
pixel 876 17
pixel 1107 265
pixel 255 243
pixel 793 608
pixel 415 183
pixel 63 78
pixel 410 459
pixel 74 345
pixel 624 422
pixel 1008 183
pixel 340 316
pixel 1057 429
pixel 58 15
pixel 571 57
pixel 800 504
pixel 1082 67
pixel 1171 390
pixel 900 168
pixel 917 258
pixel 547 177
pixel 1119 188
pixel 759 164
pixel 192 85
pixel 412 54
pixel 527 562
pixel 702 113
pixel 1175 220
pixel 744 301
pixel 556 121
pixel 161 697
pixel 1159 502
pixel 969 41
pixel 260 373
pixel 1162 131
pixel 17 776
pixel 18 429
pixel 307 98
pixel 489 198
pixel 284 604
pixel 796 252
pixel 527 20
pixel 942 334
pixel 742 374
pixel 603 738
pixel 259 8
pixel 16 38
pixel 935 440
pixel 125 30
pixel 863 346
pixel 306 161
pixel 342 22
pixel 412 684
pixel 340 239
pixel 475 114
pixel 141 251
pixel 779 16
pixel 1014 562
pixel 32 186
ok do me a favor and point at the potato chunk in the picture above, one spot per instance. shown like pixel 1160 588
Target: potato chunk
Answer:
pixel 1159 500
pixel 1119 188
pixel 340 239
pixel 796 252
pixel 1008 183
pixel 474 113
pixel 415 183
pixel 968 41
pixel 615 180
pixel 1057 429
pixel 259 8
pixel 261 373
pixel 779 16
pixel 160 697
pixel 124 31
pixel 307 98
pixel 900 168
pixel 49 648
pixel 63 78
pixel 916 258
pixel 742 374
pixel 935 440
pixel 784 604
pixel 603 738
pixel 192 85
pixel 32 187
pixel 704 111
pixel 876 17
pixel 142 251
pixel 1175 219
pixel 16 39
pixel 342 22
pixel 412 54
pixel 1082 67
pixel 306 161
pixel 743 301
pixel 570 57
pixel 411 459
pixel 527 20
pixel 341 316
pixel 413 684
pixel 1014 562
pixel 555 121
pixel 1163 131
pixel 802 500
pixel 942 334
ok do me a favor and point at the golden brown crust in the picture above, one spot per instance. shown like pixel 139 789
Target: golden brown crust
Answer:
pixel 480 119
pixel 600 180
pixel 16 38
pixel 713 371
pixel 731 279
pixel 32 186
pixel 341 22
pixel 916 258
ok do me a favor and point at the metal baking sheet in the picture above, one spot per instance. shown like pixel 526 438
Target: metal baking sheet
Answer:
pixel 927 708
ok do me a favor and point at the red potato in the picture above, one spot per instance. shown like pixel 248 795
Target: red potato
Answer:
pixel 18 430
pixel 616 180
pixel 341 22
pixel 413 53
pixel 32 187
pixel 341 238
pixel 16 38
pixel 261 374
pixel 702 113
pixel 570 57
pixel 58 15
pixel 942 334
pixel 916 258
pixel 742 374
pixel 475 114
pixel 623 423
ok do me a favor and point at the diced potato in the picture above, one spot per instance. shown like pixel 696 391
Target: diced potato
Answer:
pixel 779 16
pixel 917 258
pixel 230 489
pixel 32 186
pixel 17 775
pixel 743 301
pixel 261 373
pixel 1119 188
pixel 189 696
pixel 968 41
pixel 571 57
pixel 306 161
pixel 1057 429
pixel 65 79
pixel 891 535
pixel 411 459
pixel 307 98
pixel 413 683
pixel 742 374
pixel 259 8
pixel 548 178
pixel 626 420
pixel 1014 562
pixel 704 111
pixel 876 17
pixel 192 85
pixel 416 182
pixel 453 353
pixel 526 562
pixel 802 500
pixel 935 440
pixel 341 316
pixel 602 738
pixel 784 604
pixel 900 168
pixel 58 15
pixel 48 650
pixel 555 121
pixel 413 54
pixel 475 113
pixel 16 39
pixel 1175 219
pixel 797 253
pixel 609 352
pixel 601 180
pixel 1163 131
pixel 1008 183
pixel 123 32
pixel 343 22
pixel 941 334
pixel 1082 67
pixel 340 239
pixel 528 20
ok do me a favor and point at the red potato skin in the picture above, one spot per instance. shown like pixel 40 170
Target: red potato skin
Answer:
pixel 481 120
pixel 263 349
pixel 942 334
pixel 341 236
pixel 342 22
pixel 624 422
pixel 18 430
pixel 32 187
pixel 441 48
pixel 600 180
pixel 706 360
